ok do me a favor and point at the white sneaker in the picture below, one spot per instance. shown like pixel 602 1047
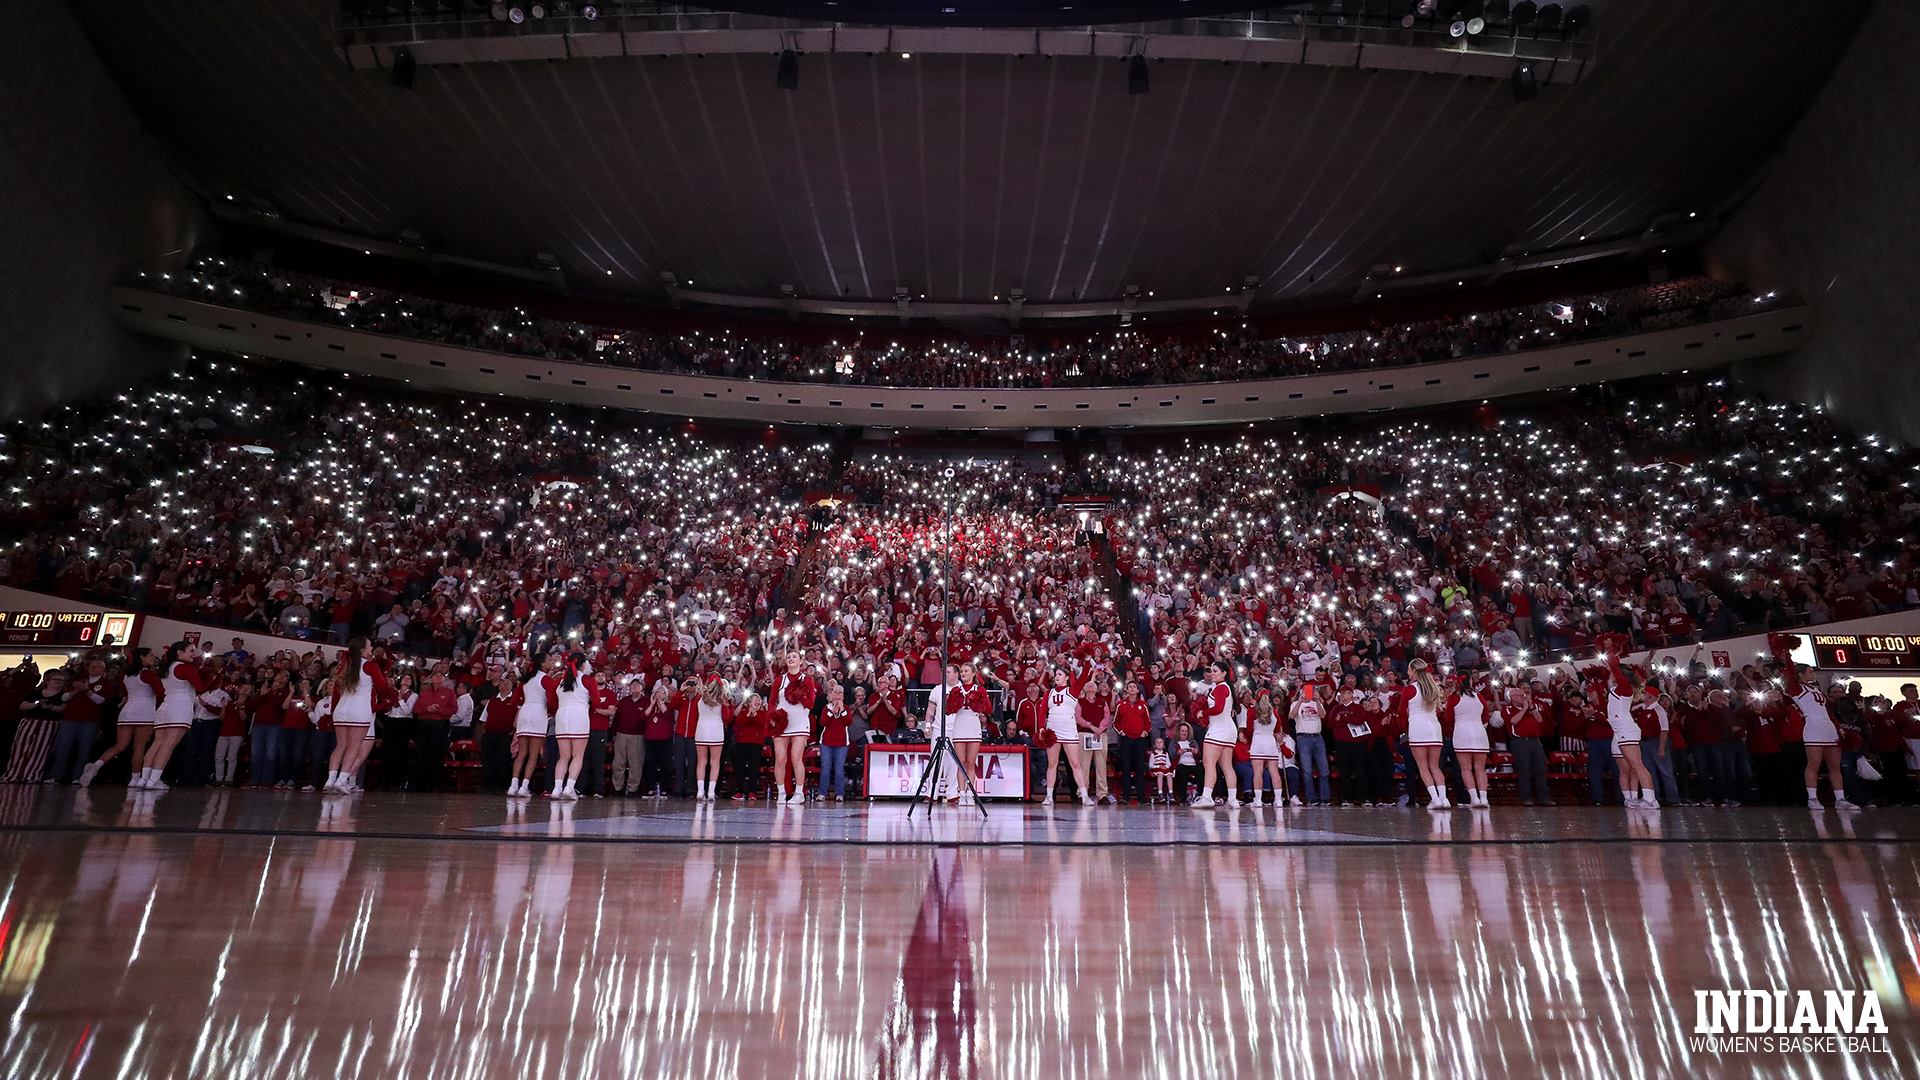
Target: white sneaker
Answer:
pixel 1441 805
pixel 1086 800
pixel 137 783
pixel 1203 802
pixel 1629 801
pixel 1842 804
pixel 1048 801
pixel 87 774
pixel 1815 804
pixel 156 785
pixel 1234 804
pixel 1297 802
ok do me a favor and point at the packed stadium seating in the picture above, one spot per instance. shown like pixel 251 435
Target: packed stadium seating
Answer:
pixel 481 534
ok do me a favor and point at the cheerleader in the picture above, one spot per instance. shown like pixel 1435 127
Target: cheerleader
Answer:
pixel 135 727
pixel 1623 692
pixel 1263 751
pixel 1223 734
pixel 181 685
pixel 570 700
pixel 1424 700
pixel 1472 711
pixel 530 730
pixel 357 683
pixel 1063 730
pixel 968 705
pixel 793 696
pixel 713 717
pixel 1819 733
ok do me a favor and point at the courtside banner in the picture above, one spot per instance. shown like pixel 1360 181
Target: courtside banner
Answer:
pixel 893 772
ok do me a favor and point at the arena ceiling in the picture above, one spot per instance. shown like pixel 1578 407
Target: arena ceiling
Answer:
pixel 966 176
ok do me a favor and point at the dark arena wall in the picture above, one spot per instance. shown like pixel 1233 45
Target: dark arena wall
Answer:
pixel 1836 218
pixel 81 178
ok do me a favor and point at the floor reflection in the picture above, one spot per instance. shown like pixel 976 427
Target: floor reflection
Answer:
pixel 135 955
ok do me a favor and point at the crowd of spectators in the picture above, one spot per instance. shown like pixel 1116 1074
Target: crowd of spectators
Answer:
pixel 1122 357
pixel 472 539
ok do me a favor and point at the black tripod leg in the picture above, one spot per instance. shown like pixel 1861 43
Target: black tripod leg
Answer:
pixel 929 781
pixel 960 769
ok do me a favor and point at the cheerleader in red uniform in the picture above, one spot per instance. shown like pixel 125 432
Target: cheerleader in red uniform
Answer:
pixel 360 689
pixel 1472 710
pixel 1063 729
pixel 530 729
pixel 793 695
pixel 969 706
pixel 134 729
pixel 1423 701
pixel 570 703
pixel 181 685
pixel 1623 692
pixel 1819 733
pixel 712 717
pixel 1223 735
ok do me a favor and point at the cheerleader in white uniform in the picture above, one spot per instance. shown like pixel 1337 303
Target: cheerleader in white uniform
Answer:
pixel 709 738
pixel 1264 750
pixel 1223 734
pixel 1820 734
pixel 1063 730
pixel 1424 700
pixel 570 696
pixel 134 729
pixel 1622 693
pixel 530 730
pixel 970 704
pixel 181 685
pixel 357 682
pixel 793 695
pixel 1472 710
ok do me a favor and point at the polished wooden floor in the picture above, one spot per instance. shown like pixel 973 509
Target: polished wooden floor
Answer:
pixel 239 934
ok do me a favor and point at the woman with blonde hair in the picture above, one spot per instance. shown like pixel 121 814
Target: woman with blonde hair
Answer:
pixel 1424 700
pixel 713 717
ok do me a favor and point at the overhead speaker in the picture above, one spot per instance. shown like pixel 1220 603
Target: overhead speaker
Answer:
pixel 1524 12
pixel 1525 87
pixel 1137 74
pixel 400 72
pixel 786 74
pixel 1550 16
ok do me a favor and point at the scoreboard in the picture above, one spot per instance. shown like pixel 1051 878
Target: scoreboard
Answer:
pixel 65 631
pixel 1866 652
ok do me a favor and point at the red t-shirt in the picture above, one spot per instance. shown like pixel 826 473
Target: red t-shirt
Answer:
pixel 1132 720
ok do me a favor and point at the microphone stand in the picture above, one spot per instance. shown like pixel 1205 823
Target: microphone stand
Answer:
pixel 943 749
